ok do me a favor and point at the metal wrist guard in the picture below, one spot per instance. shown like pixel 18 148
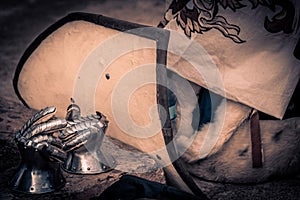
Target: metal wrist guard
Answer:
pixel 82 140
pixel 39 172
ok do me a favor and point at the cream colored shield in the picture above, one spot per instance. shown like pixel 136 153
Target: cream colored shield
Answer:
pixel 104 69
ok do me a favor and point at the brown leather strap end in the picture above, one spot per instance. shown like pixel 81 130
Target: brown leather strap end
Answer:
pixel 257 154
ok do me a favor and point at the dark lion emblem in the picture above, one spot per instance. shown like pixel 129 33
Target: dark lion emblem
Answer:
pixel 198 16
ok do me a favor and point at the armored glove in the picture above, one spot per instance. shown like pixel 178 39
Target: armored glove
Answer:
pixel 82 139
pixel 39 171
pixel 44 141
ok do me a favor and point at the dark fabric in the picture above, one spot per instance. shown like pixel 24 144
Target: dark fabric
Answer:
pixel 131 187
pixel 205 107
pixel 208 103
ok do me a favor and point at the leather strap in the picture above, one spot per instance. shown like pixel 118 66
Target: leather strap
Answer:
pixel 162 99
pixel 257 158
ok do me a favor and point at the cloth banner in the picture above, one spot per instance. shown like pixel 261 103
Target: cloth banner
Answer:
pixel 247 49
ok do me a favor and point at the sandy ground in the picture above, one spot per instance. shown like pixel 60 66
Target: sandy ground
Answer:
pixel 20 23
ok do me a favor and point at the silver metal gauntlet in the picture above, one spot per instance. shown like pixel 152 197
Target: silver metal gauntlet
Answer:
pixel 39 172
pixel 82 140
pixel 46 141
